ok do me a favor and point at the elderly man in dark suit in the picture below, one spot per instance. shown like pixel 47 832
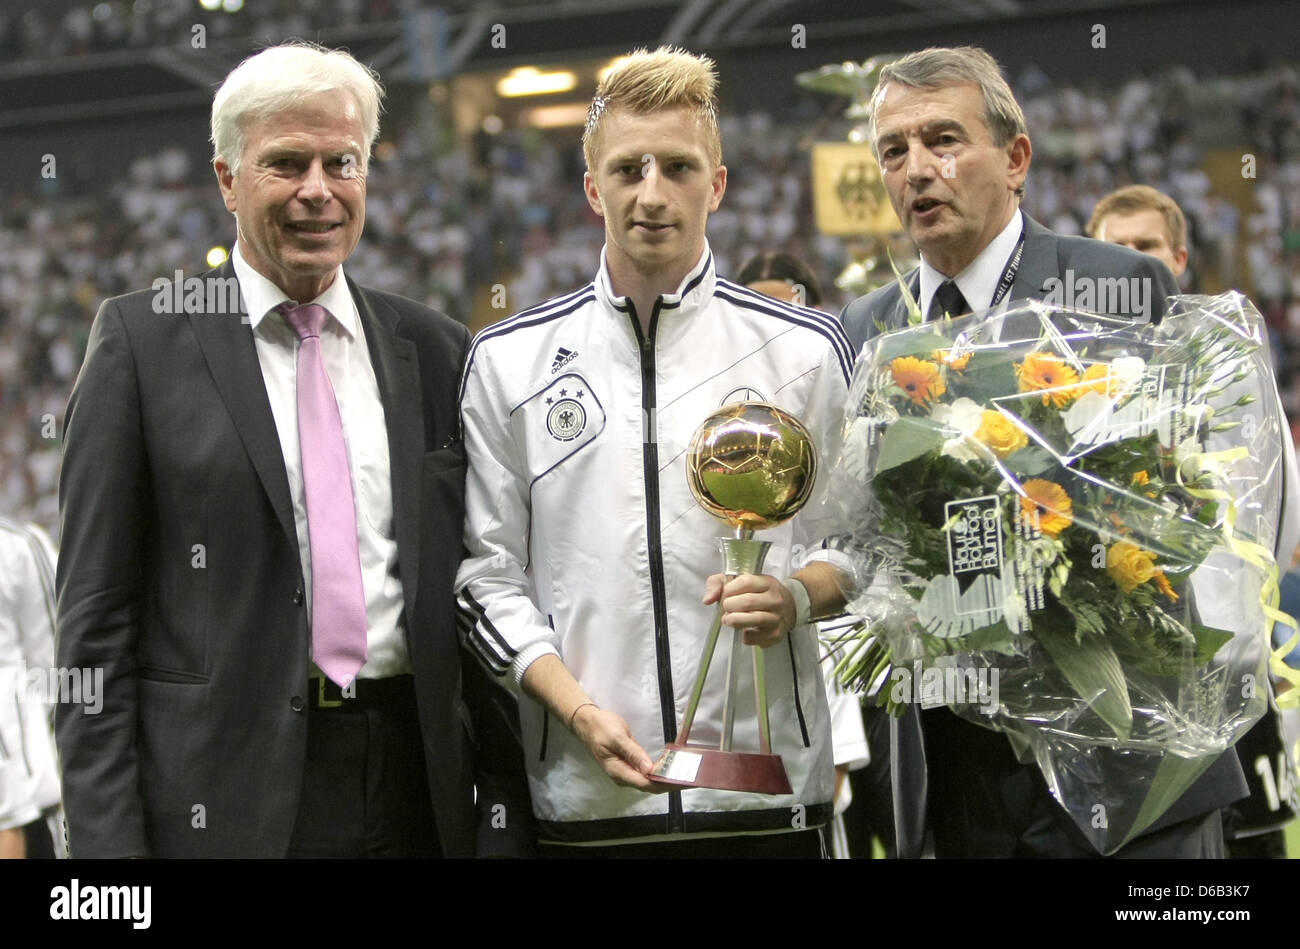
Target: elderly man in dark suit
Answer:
pixel 262 500
pixel 954 153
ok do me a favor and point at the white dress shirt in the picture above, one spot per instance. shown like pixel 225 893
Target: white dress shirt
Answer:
pixel 979 280
pixel 347 362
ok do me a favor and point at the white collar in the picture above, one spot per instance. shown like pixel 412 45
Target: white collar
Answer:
pixel 261 296
pixel 696 287
pixel 979 280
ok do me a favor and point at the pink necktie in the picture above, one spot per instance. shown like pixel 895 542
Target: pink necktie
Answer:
pixel 338 602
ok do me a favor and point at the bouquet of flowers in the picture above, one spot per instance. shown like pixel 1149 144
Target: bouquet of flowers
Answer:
pixel 1073 518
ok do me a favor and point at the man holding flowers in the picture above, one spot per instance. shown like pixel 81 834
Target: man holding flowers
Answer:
pixel 954 154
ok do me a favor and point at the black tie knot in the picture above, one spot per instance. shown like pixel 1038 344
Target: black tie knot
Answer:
pixel 948 300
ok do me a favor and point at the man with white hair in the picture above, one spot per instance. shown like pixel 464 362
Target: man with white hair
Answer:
pixel 262 500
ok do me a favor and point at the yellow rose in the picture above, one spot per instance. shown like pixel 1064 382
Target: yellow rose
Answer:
pixel 1000 434
pixel 1129 565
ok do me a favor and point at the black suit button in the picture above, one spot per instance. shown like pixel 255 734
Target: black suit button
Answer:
pixel 297 704
pixel 297 597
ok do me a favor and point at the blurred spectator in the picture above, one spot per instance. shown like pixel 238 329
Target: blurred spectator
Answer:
pixel 482 228
pixel 781 275
pixel 1140 217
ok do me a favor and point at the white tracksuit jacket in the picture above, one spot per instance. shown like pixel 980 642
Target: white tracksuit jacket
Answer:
pixel 584 540
pixel 29 772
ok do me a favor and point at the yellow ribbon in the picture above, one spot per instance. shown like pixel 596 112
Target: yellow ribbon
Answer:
pixel 1270 594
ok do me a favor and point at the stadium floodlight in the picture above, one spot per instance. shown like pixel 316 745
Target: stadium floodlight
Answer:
pixel 530 81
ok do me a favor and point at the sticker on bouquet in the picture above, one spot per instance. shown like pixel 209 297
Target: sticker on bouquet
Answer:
pixel 979 588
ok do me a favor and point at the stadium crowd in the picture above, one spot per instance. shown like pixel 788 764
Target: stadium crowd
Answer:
pixel 506 212
pixel 77 28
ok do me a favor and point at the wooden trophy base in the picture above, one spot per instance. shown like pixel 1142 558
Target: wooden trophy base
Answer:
pixel 699 766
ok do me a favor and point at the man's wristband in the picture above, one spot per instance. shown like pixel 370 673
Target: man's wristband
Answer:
pixel 802 602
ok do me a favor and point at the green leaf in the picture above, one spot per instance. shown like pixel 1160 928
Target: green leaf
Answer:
pixel 1209 513
pixel 914 314
pixel 996 638
pixel 1093 671
pixel 906 439
pixel 986 377
pixel 909 343
pixel 1089 617
pixel 1209 641
pixel 1173 777
pixel 1122 459
pixel 1031 460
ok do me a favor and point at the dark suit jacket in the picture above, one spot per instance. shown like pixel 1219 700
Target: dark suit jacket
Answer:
pixel 180 577
pixel 986 756
pixel 1047 256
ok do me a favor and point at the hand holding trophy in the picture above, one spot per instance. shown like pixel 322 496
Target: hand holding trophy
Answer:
pixel 751 465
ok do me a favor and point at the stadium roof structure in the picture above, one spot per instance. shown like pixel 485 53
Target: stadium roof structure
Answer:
pixel 431 41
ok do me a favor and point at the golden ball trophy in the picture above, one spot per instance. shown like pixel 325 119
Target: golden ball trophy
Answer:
pixel 752 465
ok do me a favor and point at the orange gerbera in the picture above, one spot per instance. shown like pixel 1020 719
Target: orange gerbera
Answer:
pixel 955 363
pixel 1162 584
pixel 1047 502
pixel 918 378
pixel 1048 373
pixel 1097 378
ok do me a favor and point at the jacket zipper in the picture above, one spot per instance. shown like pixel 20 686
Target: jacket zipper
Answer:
pixel 650 460
pixel 798 705
pixel 546 716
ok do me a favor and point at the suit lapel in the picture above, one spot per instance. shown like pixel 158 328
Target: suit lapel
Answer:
pixel 1039 264
pixel 398 374
pixel 231 355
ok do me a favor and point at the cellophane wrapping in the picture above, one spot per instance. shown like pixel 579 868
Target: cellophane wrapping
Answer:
pixel 1062 526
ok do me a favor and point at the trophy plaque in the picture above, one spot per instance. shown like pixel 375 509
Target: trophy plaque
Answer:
pixel 751 465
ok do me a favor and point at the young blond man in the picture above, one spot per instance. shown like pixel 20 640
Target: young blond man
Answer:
pixel 585 588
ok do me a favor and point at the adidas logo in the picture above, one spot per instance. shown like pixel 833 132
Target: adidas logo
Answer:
pixel 562 358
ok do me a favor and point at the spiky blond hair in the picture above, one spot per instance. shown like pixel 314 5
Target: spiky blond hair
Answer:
pixel 646 82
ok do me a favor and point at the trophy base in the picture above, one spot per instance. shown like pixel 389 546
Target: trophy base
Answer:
pixel 699 766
